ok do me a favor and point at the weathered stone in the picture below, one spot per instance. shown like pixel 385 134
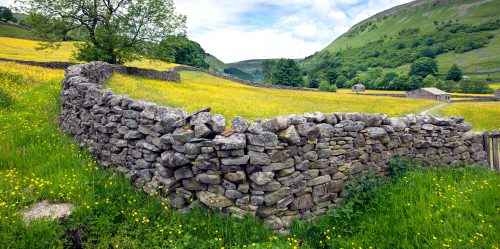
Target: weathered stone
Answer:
pixel 201 131
pixel 173 159
pixel 308 130
pixel 233 194
pixel 242 160
pixel 208 178
pixel 274 197
pixel 183 173
pixel 319 180
pixel 236 177
pixel 182 135
pixel 201 118
pixel 217 123
pixel 375 132
pixel 302 202
pixel 236 141
pixel 290 136
pixel 213 200
pixel 258 158
pixel 351 126
pixel 240 125
pixel 265 139
pixel 262 178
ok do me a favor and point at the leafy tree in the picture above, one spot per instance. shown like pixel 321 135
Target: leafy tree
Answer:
pixel 112 30
pixel 267 70
pixel 331 75
pixel 429 81
pixel 416 82
pixel 324 86
pixel 475 86
pixel 181 50
pixel 400 82
pixel 455 73
pixel 313 83
pixel 6 14
pixel 423 67
pixel 428 52
pixel 286 72
pixel 341 81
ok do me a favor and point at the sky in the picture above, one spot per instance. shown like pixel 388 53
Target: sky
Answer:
pixel 235 30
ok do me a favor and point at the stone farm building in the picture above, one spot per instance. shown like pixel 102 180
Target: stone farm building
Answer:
pixel 429 93
pixel 497 94
pixel 359 88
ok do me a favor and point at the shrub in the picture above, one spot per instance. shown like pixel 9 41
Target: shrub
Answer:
pixel 455 73
pixel 324 86
pixel 475 86
pixel 423 67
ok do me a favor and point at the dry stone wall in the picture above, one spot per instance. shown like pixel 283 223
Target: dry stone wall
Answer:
pixel 278 170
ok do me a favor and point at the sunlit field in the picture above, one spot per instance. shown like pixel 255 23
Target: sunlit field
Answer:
pixel 482 115
pixel 425 208
pixel 20 49
pixel 198 90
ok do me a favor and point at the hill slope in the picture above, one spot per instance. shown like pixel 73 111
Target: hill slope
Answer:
pixel 425 18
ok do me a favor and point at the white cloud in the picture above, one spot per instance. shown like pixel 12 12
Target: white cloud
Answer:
pixel 290 28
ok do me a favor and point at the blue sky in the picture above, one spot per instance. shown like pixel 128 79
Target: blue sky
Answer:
pixel 235 30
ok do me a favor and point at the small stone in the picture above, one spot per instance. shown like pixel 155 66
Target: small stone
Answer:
pixel 208 178
pixel 233 194
pixel 240 125
pixel 183 173
pixel 258 158
pixel 290 136
pixel 236 141
pixel 319 180
pixel 236 177
pixel 265 139
pixel 302 202
pixel 242 160
pixel 213 200
pixel 262 178
pixel 376 132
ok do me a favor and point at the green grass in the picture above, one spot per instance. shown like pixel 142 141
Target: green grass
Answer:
pixel 427 208
pixel 7 30
pixel 422 19
pixel 482 115
pixel 215 64
pixel 38 162
pixel 234 99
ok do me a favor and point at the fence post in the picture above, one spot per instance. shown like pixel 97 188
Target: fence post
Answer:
pixel 486 144
pixel 496 163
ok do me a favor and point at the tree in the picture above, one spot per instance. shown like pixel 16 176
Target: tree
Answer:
pixel 400 82
pixel 455 73
pixel 6 14
pixel 324 86
pixel 423 67
pixel 286 72
pixel 427 52
pixel 267 70
pixel 181 50
pixel 341 81
pixel 429 81
pixel 112 30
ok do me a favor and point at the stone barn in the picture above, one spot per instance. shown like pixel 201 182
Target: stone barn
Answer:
pixel 429 93
pixel 358 88
pixel 497 94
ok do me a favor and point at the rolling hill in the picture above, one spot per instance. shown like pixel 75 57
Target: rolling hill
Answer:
pixel 453 24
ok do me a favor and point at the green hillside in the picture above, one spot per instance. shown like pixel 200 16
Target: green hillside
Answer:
pixel 418 14
pixel 215 63
pixel 462 32
pixel 14 31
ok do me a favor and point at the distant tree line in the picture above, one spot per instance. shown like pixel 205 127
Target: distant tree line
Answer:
pixel 364 64
pixel 6 15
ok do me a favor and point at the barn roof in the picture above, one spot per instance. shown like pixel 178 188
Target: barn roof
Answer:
pixel 435 91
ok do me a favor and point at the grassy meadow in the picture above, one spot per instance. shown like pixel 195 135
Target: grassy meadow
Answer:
pixel 21 49
pixel 482 115
pixel 198 90
pixel 445 208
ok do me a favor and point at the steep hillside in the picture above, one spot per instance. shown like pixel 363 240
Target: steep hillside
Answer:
pixel 418 14
pixel 252 67
pixel 215 63
pixel 464 32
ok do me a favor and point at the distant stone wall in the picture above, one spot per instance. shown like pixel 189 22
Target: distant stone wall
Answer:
pixel 168 75
pixel 278 170
pixel 236 79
